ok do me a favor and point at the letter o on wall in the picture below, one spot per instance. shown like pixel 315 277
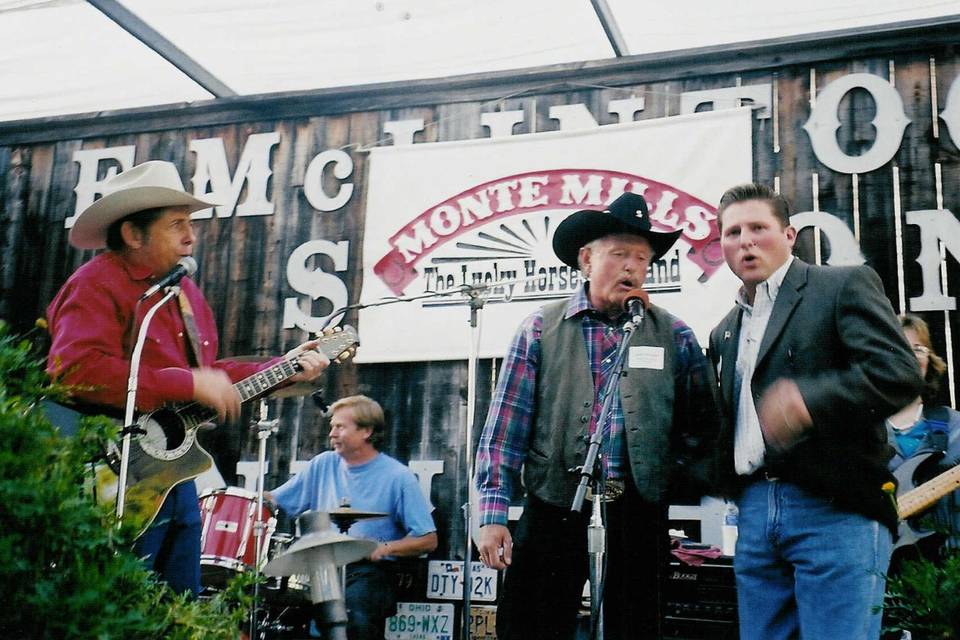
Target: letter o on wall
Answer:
pixel 890 123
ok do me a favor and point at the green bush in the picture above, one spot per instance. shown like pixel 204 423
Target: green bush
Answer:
pixel 66 570
pixel 924 598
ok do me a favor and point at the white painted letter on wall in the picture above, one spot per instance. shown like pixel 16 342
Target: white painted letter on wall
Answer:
pixel 315 283
pixel 313 181
pixel 252 169
pixel 889 123
pixel 936 225
pixel 87 184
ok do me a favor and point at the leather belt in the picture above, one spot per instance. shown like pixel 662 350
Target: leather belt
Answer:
pixel 613 489
pixel 763 473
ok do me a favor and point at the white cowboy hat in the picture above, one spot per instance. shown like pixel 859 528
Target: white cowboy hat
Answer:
pixel 146 186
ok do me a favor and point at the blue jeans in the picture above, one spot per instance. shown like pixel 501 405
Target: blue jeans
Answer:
pixel 806 569
pixel 171 546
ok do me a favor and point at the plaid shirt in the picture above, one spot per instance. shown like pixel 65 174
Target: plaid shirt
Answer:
pixel 506 433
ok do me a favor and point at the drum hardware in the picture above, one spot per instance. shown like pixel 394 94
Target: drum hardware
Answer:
pixel 285 592
pixel 265 428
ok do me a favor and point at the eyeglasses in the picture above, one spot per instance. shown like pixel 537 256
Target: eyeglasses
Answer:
pixel 920 351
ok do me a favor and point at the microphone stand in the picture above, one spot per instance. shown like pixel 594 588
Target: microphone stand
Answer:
pixel 592 473
pixel 129 427
pixel 476 304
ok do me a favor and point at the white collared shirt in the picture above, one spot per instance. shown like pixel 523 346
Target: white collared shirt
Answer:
pixel 748 447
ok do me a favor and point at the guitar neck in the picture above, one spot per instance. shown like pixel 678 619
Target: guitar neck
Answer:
pixel 916 500
pixel 266 380
pixel 256 385
pixel 332 345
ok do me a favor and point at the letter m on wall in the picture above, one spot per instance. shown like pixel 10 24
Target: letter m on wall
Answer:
pixel 253 169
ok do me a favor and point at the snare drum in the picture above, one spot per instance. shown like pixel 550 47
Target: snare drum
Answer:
pixel 228 540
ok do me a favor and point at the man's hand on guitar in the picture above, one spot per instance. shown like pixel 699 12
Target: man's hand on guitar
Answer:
pixel 214 389
pixel 312 362
pixel 495 546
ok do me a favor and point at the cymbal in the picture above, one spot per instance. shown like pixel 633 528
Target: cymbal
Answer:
pixel 322 546
pixel 343 517
pixel 356 514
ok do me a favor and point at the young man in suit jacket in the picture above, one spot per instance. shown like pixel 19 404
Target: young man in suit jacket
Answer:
pixel 810 361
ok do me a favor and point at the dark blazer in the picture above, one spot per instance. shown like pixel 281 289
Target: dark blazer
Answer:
pixel 833 332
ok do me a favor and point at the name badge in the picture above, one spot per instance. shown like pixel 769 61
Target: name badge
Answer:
pixel 645 358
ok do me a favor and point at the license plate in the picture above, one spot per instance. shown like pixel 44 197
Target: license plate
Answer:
pixel 445 581
pixel 483 623
pixel 420 621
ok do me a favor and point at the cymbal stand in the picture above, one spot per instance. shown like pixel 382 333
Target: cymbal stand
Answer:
pixel 265 428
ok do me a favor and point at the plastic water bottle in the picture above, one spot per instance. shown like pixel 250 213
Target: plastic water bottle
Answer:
pixel 729 529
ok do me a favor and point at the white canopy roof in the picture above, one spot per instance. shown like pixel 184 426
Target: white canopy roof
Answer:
pixel 66 56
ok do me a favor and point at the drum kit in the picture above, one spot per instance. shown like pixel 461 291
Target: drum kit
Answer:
pixel 306 571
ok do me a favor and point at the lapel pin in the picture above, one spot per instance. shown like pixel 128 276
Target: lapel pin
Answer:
pixel 726 335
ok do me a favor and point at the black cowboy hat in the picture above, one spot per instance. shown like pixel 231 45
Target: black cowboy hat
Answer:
pixel 626 214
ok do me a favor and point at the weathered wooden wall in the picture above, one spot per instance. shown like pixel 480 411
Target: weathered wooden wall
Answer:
pixel 243 258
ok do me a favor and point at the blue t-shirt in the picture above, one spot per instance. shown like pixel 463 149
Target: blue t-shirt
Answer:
pixel 382 484
pixel 909 439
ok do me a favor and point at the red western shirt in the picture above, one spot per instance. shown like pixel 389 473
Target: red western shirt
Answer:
pixel 91 323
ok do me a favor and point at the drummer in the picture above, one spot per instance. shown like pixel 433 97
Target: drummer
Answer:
pixel 356 474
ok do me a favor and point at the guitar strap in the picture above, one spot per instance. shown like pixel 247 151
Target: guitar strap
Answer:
pixel 190 324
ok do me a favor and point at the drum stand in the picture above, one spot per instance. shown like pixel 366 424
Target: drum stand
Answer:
pixel 265 428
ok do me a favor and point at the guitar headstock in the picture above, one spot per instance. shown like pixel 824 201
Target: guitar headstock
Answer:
pixel 339 344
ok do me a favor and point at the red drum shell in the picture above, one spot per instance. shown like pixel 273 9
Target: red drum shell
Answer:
pixel 228 542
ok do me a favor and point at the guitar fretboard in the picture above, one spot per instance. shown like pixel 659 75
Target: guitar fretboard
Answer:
pixel 272 377
pixel 916 500
pixel 265 380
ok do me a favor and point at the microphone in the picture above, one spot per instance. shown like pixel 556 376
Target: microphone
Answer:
pixel 635 302
pixel 186 266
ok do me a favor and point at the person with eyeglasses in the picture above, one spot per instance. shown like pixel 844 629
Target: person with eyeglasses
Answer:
pixel 926 428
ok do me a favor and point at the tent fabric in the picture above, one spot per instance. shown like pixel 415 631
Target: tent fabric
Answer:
pixel 66 57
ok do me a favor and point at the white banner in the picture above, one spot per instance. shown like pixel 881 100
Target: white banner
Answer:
pixel 444 215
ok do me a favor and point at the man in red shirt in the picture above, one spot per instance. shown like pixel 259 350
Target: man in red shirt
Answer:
pixel 144 222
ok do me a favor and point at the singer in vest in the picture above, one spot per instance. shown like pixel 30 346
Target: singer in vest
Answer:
pixel 547 403
pixel 144 222
pixel 811 361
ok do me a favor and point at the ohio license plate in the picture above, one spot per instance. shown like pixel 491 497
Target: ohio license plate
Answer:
pixel 445 581
pixel 483 623
pixel 420 621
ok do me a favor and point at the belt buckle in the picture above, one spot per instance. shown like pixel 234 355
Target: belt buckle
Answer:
pixel 612 490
